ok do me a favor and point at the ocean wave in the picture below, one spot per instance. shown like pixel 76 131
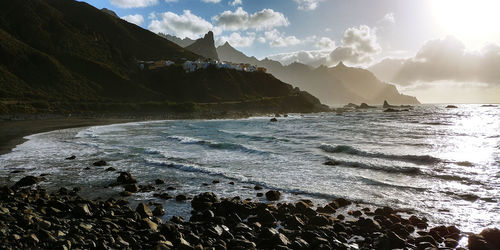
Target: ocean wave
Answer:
pixel 417 159
pixel 389 169
pixel 217 145
pixel 370 181
pixel 253 137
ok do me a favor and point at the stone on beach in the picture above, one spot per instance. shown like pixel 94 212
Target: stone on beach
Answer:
pixel 100 163
pixel 273 195
pixel 28 181
pixel 126 178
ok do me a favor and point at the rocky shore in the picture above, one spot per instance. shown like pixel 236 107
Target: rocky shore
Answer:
pixel 30 218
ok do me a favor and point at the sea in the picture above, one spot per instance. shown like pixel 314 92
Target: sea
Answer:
pixel 432 161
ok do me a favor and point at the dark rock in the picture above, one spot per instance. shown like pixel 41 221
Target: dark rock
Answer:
pixel 302 207
pixel 326 209
pixel 241 244
pixel 204 201
pixel 257 187
pixel 171 188
pixel 273 120
pixel 452 243
pixel 100 163
pixel 395 240
pixel 143 210
pixel 71 157
pixel 351 105
pixel 426 238
pixel 331 163
pixel 273 195
pixel 231 183
pixel 126 178
pixel 294 222
pixel 391 110
pixel 260 194
pixel 131 188
pixel 451 107
pixel 492 236
pixel 110 169
pixel 387 105
pixel 159 211
pixel 215 181
pixel 365 106
pixel 159 181
pixel 477 242
pixel 81 211
pixel 28 181
pixel 319 221
pixel 125 193
pixel 181 197
pixel 340 202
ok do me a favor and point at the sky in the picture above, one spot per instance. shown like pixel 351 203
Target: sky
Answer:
pixel 424 47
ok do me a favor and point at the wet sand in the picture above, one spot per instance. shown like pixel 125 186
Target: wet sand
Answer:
pixel 12 132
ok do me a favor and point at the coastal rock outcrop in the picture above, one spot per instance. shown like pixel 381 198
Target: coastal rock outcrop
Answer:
pixel 63 220
pixel 126 178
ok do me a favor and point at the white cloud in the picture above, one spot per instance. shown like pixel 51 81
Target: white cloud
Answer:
pixel 325 43
pixel 185 25
pixel 359 45
pixel 443 60
pixel 242 20
pixel 261 39
pixel 278 39
pixel 389 17
pixel 211 1
pixel 135 19
pixel 237 40
pixel 236 2
pixel 308 4
pixel 313 57
pixel 133 3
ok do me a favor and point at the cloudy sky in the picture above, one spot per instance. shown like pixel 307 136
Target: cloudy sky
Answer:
pixel 423 46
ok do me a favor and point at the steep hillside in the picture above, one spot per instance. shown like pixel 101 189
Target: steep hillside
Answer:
pixel 64 55
pixel 336 85
pixel 205 46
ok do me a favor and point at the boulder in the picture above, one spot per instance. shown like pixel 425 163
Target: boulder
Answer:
pixel 492 236
pixel 71 157
pixel 451 107
pixel 131 188
pixel 126 178
pixel 110 169
pixel 28 181
pixel 81 211
pixel 181 197
pixel 159 181
pixel 159 210
pixel 331 163
pixel 273 120
pixel 340 202
pixel 273 195
pixel 143 210
pixel 100 163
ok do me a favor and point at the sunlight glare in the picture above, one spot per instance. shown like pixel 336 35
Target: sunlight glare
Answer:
pixel 475 22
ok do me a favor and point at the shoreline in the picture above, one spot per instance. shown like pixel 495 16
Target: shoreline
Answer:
pixel 64 220
pixel 14 128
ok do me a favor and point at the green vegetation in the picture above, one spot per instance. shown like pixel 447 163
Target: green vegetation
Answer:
pixel 67 56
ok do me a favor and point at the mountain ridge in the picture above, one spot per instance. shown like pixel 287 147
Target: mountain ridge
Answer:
pixel 68 56
pixel 336 85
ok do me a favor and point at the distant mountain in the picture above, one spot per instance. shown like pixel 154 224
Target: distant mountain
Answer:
pixel 232 55
pixel 335 85
pixel 205 46
pixel 181 42
pixel 67 56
